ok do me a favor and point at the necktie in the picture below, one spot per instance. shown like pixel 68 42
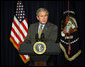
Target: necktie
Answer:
pixel 40 31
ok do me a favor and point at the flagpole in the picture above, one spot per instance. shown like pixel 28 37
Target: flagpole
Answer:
pixel 68 7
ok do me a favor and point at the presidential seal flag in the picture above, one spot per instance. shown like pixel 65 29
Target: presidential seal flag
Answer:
pixel 19 29
pixel 69 40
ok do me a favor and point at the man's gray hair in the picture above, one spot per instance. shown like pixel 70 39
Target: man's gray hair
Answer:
pixel 41 9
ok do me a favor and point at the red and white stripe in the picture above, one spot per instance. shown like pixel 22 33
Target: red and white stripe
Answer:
pixel 19 32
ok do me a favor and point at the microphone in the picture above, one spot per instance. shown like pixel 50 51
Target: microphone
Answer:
pixel 42 38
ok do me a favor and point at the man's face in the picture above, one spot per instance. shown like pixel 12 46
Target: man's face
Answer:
pixel 42 17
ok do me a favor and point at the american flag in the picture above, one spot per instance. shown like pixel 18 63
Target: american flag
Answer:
pixel 19 29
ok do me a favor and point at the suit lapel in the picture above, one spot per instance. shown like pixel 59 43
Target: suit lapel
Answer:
pixel 37 25
pixel 45 28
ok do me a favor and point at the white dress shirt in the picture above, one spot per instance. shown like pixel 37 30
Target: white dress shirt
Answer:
pixel 40 26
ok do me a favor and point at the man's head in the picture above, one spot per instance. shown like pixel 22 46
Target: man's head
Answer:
pixel 42 15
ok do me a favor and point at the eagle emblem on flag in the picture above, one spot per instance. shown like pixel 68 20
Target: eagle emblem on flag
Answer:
pixel 69 39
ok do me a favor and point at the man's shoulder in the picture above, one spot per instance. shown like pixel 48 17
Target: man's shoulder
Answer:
pixel 33 24
pixel 51 24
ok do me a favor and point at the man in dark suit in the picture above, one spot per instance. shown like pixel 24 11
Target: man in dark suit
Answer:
pixel 48 35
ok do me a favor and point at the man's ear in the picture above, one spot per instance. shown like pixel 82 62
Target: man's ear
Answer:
pixel 37 17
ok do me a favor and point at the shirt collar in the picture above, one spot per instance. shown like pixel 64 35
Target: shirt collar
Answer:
pixel 42 24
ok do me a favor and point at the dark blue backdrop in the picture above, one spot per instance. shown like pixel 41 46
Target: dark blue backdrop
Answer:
pixel 9 55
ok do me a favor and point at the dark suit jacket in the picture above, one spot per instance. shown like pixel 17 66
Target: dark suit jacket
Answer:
pixel 50 32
